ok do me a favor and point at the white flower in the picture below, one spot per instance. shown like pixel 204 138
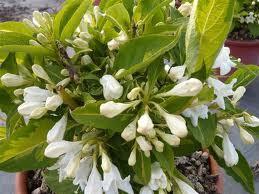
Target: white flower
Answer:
pixel 146 190
pixel 227 123
pixel 57 148
pixel 106 163
pixel 73 166
pixel 129 133
pixel 246 137
pixel 185 9
pixel 238 94
pixel 113 181
pixel 116 42
pixel 63 82
pixel 40 72
pixel 175 73
pixel 230 154
pixel 97 13
pixel 172 140
pixel 94 184
pixel 12 80
pixel 27 108
pixel 80 43
pixel 145 125
pixel 143 144
pixel 70 52
pixel 38 112
pixel 111 87
pixel 253 121
pixel 36 94
pixel 58 130
pixel 159 146
pixel 158 178
pixel 133 94
pixel 132 158
pixel 184 187
pixel 38 19
pixel 196 112
pixel 190 87
pixel 221 90
pixel 86 59
pixel 223 61
pixel 53 102
pixel 175 123
pixel 112 109
pixel 42 38
pixel 83 172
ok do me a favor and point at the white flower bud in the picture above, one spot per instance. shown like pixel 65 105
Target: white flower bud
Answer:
pixel 42 38
pixel 85 35
pixel 246 137
pixel 190 87
pixel 133 94
pixel 227 123
pixel 111 109
pixel 129 133
pixel 73 166
pixel 120 71
pixel 38 113
pixel 41 73
pixel 27 108
pixel 80 43
pixel 86 59
pixel 239 93
pixel 29 23
pixel 122 38
pixel 58 148
pixel 172 140
pixel 18 92
pixel 38 19
pixel 230 154
pixel 53 102
pixel 253 121
pixel 113 44
pixel 111 87
pixel 175 73
pixel 64 82
pixel 147 154
pixel 159 146
pixel 143 144
pixel 132 158
pixel 145 124
pixel 48 18
pixel 64 72
pixel 184 187
pixel 106 163
pixel 36 94
pixel 70 52
pixel 97 13
pixel 58 130
pixel 185 9
pixel 34 43
pixel 12 80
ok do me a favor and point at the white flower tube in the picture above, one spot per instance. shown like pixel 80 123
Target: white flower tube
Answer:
pixel 41 73
pixel 172 140
pixel 159 146
pixel 190 87
pixel 185 9
pixel 53 102
pixel 238 94
pixel 38 19
pixel 12 80
pixel 38 112
pixel 145 125
pixel 129 133
pixel 58 130
pixel 230 154
pixel 184 187
pixel 246 137
pixel 111 87
pixel 36 94
pixel 158 178
pixel 94 184
pixel 106 163
pixel 133 94
pixel 56 149
pixel 112 109
pixel 143 144
pixel 73 166
pixel 175 73
pixel 27 108
pixel 133 157
pixel 146 190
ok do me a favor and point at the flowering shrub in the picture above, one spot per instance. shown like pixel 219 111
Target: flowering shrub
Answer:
pixel 106 96
pixel 246 20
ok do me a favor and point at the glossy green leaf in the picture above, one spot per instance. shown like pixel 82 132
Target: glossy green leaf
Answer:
pixel 139 53
pixel 142 168
pixel 18 27
pixel 74 21
pixel 2 133
pixel 13 38
pixel 207 30
pixel 177 104
pixel 25 148
pixel 90 115
pixel 9 65
pixel 205 132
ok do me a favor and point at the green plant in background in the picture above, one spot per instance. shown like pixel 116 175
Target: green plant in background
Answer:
pixel 100 93
pixel 246 20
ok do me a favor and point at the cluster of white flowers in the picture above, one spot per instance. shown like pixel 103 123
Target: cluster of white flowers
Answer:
pixel 250 15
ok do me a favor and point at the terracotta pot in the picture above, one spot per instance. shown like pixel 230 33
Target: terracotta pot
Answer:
pixel 215 170
pixel 248 51
pixel 21 180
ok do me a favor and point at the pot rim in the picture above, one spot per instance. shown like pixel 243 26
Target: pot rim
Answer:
pixel 248 43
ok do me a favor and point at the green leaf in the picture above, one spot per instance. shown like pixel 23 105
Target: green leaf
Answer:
pixel 254 29
pixel 207 30
pixel 245 74
pixel 177 104
pixel 105 4
pixel 129 5
pixel 25 149
pixel 2 133
pixel 139 53
pixel 206 95
pixel 205 132
pixel 166 159
pixel 119 16
pixel 74 21
pixel 18 27
pixel 13 38
pixel 188 146
pixel 90 115
pixel 5 101
pixel 142 168
pixel 64 15
pixel 241 172
pixel 154 71
pixel 64 187
pixel 9 65
pixel 33 50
